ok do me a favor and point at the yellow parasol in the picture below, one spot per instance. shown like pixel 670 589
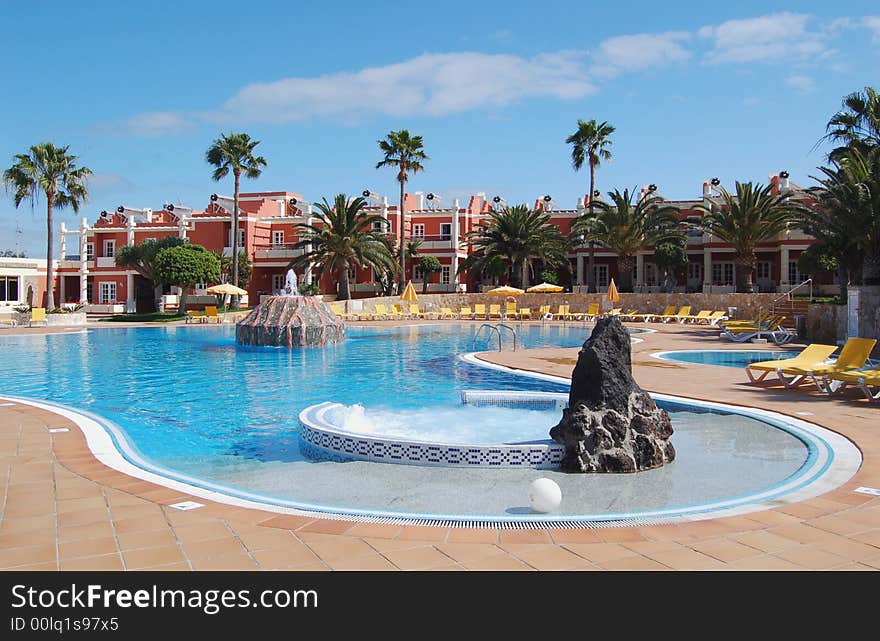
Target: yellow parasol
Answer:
pixel 612 295
pixel 227 289
pixel 409 293
pixel 505 290
pixel 544 288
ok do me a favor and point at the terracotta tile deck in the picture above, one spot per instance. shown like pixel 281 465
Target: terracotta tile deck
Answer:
pixel 62 509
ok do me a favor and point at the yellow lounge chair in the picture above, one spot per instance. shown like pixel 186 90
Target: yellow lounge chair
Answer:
pixel 510 310
pixel 668 311
pixel 466 311
pixel 380 312
pixel 702 315
pixel 525 313
pixel 863 379
pixel 211 312
pixel 446 312
pixel 853 355
pixel 337 309
pixel 680 316
pixel 812 356
pixel 479 310
pixel 544 312
pixel 397 311
pixel 414 312
pixel 716 317
pixel 194 315
pixel 495 311
pixel 592 312
pixel 38 315
pixel 565 313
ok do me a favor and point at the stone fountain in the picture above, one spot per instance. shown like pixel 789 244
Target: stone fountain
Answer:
pixel 611 424
pixel 290 320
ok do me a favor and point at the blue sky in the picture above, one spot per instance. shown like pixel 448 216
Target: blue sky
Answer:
pixel 140 91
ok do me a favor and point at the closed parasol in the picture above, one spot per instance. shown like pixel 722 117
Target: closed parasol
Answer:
pixel 409 293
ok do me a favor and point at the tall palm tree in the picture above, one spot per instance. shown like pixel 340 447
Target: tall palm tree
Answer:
pixel 405 153
pixel 342 238
pixel 235 152
pixel 746 219
pixel 846 214
pixel 519 236
pixel 590 144
pixel 52 171
pixel 856 125
pixel 624 228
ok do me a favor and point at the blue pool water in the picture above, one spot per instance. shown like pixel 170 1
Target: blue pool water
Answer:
pixel 193 402
pixel 728 358
pixel 194 390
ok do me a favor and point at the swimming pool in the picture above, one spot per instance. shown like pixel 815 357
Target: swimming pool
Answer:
pixel 190 404
pixel 727 357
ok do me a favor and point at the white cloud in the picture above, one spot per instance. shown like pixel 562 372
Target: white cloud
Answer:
pixel 873 23
pixel 431 84
pixel 638 52
pixel 153 124
pixel 782 36
pixel 802 84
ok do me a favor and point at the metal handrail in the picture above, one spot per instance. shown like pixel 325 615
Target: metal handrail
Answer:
pixel 477 335
pixel 793 289
pixel 501 326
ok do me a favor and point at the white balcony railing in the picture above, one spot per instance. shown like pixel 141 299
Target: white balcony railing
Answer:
pixel 105 261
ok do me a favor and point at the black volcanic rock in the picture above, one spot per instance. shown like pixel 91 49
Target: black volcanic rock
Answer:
pixel 611 424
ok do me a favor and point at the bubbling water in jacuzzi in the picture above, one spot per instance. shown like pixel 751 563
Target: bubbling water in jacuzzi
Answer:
pixel 449 425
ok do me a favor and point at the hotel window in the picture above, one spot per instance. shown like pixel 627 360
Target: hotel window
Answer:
pixel 109 248
pixel 763 270
pixel 107 293
pixel 693 226
pixel 445 231
pixel 600 275
pixel 277 238
pixel 650 274
pixel 9 289
pixel 445 274
pixel 378 225
pixel 240 238
pixel 352 274
pixel 419 230
pixel 722 274
pixel 90 251
pixel 695 271
pixel 418 274
pixel 278 282
pixel 795 277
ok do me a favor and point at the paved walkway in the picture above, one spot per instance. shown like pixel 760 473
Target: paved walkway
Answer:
pixel 62 509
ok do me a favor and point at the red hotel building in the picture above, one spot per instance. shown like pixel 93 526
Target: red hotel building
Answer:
pixel 88 274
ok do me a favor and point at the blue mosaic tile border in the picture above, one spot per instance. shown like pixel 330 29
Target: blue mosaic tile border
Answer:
pixel 320 439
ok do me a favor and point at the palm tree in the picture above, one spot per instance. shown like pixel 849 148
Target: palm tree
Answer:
pixel 405 153
pixel 49 170
pixel 624 228
pixel 519 236
pixel 846 215
pixel 590 144
pixel 235 152
pixel 856 125
pixel 342 238
pixel 751 216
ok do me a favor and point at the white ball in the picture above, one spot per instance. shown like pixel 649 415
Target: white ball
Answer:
pixel 544 495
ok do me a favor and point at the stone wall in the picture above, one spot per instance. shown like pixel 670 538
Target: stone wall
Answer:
pixel 747 305
pixel 825 323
